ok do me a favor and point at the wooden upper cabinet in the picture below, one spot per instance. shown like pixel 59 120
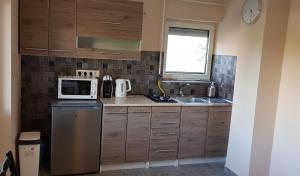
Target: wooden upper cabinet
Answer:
pixel 34 27
pixel 62 28
pixel 110 18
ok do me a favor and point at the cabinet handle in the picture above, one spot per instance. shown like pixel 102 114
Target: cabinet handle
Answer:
pixel 105 52
pixel 165 134
pixel 36 49
pixel 67 51
pixel 102 52
pixel 109 22
pixel 164 151
pixel 167 112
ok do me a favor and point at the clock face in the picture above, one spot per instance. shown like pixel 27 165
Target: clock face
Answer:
pixel 251 11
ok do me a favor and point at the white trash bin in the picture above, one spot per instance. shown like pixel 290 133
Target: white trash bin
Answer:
pixel 29 153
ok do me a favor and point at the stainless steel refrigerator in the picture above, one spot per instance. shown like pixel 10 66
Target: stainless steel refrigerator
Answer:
pixel 75 140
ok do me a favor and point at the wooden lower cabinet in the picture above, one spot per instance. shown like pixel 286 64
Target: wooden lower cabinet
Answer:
pixel 113 135
pixel 142 134
pixel 138 132
pixel 218 131
pixel 193 129
pixel 164 133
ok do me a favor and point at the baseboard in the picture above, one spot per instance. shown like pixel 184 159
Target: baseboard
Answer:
pixel 161 163
pixel 201 160
pixel 228 172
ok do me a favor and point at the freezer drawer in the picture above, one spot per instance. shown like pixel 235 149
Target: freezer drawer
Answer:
pixel 75 143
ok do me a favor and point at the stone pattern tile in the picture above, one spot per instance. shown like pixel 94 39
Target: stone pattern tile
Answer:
pixel 223 73
pixel 39 81
pixel 211 169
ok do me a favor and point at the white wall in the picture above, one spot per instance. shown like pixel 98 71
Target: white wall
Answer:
pixel 247 44
pixel 268 87
pixel 9 83
pixel 286 153
pixel 259 49
pixel 5 76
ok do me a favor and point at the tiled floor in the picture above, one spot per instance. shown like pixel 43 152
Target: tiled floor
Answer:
pixel 213 169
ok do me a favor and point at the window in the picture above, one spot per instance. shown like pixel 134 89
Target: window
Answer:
pixel 188 48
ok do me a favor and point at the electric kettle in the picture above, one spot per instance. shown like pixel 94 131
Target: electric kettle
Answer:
pixel 121 87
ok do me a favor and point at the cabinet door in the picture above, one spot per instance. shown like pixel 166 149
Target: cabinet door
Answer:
pixel 113 135
pixel 113 19
pixel 138 133
pixel 218 131
pixel 62 31
pixel 34 27
pixel 193 132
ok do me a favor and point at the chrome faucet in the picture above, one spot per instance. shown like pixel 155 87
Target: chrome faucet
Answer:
pixel 181 89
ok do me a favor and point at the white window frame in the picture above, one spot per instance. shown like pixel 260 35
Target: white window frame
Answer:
pixel 181 76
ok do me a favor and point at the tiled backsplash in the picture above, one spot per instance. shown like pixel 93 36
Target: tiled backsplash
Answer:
pixel 223 73
pixel 39 81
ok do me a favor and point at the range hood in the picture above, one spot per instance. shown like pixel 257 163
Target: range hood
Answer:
pixel 105 43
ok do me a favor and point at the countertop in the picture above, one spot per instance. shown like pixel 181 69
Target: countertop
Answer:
pixel 140 100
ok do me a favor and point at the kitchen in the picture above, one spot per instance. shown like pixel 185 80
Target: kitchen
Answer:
pixel 160 110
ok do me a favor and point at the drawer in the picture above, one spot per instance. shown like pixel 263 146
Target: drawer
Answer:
pixel 139 109
pixel 163 133
pixel 115 110
pixel 220 109
pixel 163 144
pixel 195 109
pixel 165 120
pixel 161 155
pixel 163 149
pixel 165 109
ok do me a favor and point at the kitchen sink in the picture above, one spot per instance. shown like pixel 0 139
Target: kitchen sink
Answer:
pixel 190 100
pixel 201 100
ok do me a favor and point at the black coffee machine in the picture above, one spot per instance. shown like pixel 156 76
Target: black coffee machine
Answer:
pixel 107 87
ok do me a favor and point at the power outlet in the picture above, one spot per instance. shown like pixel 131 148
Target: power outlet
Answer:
pixel 88 73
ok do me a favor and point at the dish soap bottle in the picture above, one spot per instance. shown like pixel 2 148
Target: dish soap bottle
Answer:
pixel 211 90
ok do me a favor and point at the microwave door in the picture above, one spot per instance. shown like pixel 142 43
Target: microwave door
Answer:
pixel 75 89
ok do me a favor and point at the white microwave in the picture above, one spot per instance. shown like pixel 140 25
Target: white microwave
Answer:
pixel 73 87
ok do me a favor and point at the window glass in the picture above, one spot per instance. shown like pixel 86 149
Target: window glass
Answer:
pixel 187 50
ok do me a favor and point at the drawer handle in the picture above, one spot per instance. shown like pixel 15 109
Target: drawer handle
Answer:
pixel 36 49
pixel 67 51
pixel 167 112
pixel 139 112
pixel 164 151
pixel 165 134
pixel 109 22
pixel 168 123
pixel 115 112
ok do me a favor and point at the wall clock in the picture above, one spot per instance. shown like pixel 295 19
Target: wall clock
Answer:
pixel 251 11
